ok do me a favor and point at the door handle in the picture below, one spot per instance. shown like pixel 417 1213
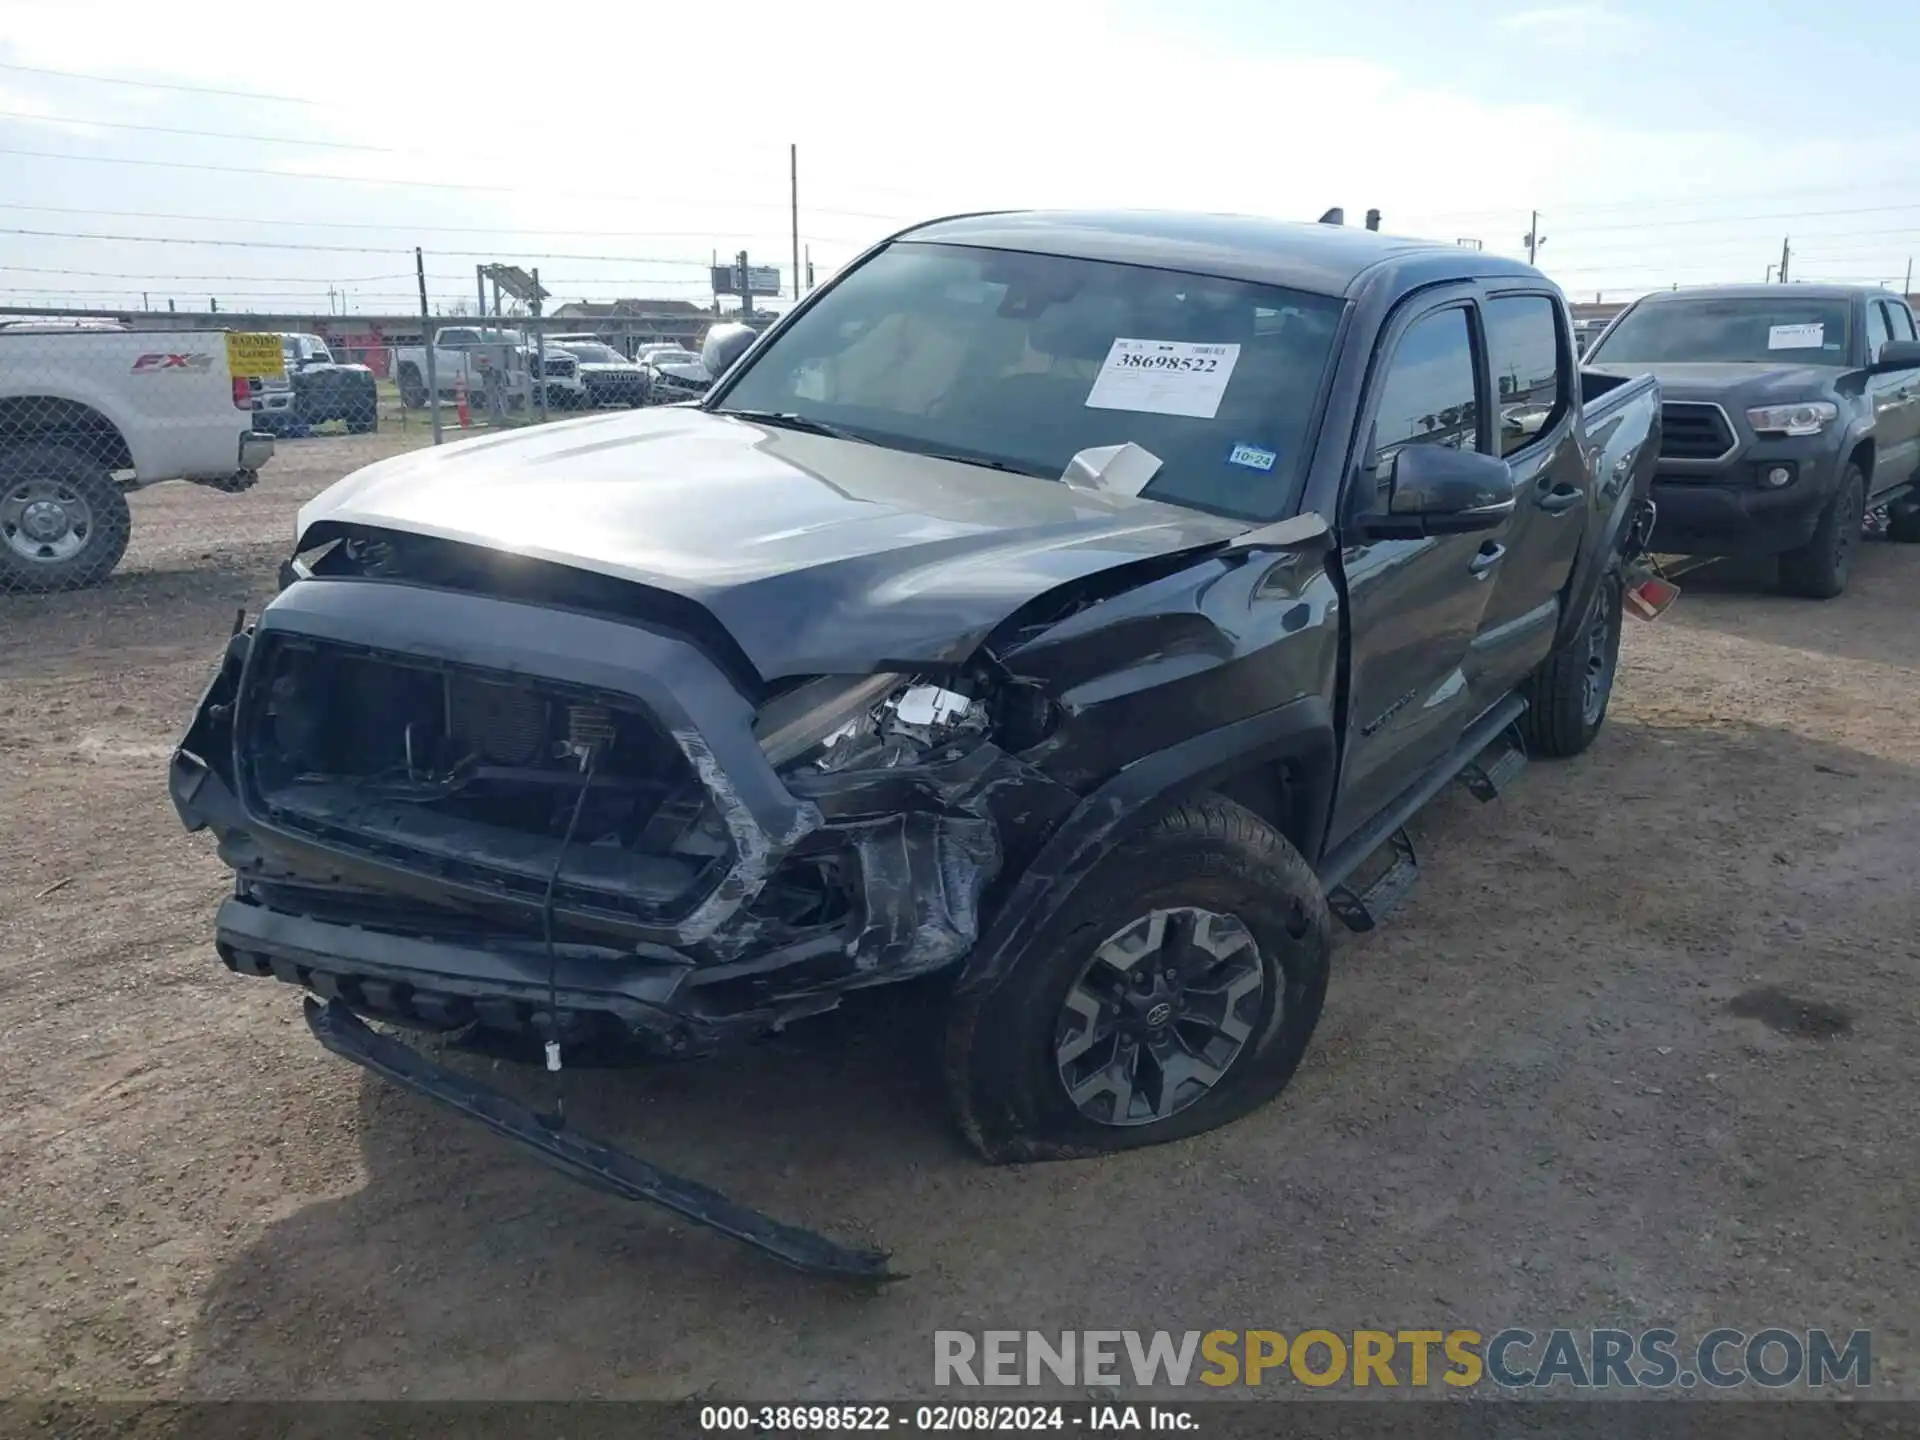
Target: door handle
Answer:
pixel 1490 555
pixel 1561 497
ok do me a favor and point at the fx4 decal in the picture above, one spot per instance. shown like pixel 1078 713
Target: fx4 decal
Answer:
pixel 172 362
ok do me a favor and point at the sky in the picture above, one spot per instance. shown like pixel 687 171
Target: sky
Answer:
pixel 294 156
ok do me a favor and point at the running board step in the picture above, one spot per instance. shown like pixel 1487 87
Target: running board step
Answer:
pixel 1365 907
pixel 1493 768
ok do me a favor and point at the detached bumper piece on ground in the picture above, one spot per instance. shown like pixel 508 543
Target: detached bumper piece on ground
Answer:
pixel 589 1161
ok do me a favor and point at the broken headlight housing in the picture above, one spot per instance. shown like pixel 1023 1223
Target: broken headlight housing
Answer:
pixel 867 722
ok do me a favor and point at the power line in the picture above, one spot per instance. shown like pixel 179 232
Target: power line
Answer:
pixel 405 183
pixel 175 240
pixel 156 85
pixel 1614 207
pixel 245 279
pixel 404 225
pixel 204 134
pixel 351 249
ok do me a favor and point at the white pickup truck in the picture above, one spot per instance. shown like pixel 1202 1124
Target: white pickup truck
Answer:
pixel 91 412
pixel 470 354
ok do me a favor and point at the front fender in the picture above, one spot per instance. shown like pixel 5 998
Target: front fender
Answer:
pixel 1300 733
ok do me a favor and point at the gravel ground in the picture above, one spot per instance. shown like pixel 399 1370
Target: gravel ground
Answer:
pixel 1641 1049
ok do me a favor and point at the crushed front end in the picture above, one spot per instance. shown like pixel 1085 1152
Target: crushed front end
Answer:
pixel 458 807
pixel 449 808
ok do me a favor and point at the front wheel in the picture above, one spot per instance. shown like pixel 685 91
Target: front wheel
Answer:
pixel 1174 991
pixel 64 523
pixel 1567 697
pixel 1903 522
pixel 413 391
pixel 1819 569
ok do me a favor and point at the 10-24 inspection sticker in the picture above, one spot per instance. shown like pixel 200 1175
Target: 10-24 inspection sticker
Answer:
pixel 1164 377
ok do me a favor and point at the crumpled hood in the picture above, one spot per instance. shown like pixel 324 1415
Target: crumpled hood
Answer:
pixel 818 555
pixel 1737 385
pixel 694 374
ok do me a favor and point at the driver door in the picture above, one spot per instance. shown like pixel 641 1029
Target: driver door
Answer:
pixel 1413 606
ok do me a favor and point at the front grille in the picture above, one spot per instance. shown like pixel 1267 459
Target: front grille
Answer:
pixel 1693 431
pixel 474 777
pixel 558 366
pixel 616 387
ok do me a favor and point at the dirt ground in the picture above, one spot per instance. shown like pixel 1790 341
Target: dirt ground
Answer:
pixel 1575 1081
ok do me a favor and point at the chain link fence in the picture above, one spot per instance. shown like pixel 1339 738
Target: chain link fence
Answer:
pixel 96 405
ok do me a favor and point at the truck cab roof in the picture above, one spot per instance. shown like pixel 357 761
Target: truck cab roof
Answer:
pixel 1319 259
pixel 1763 292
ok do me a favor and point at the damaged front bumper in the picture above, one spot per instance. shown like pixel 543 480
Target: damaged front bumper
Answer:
pixel 589 1161
pixel 715 898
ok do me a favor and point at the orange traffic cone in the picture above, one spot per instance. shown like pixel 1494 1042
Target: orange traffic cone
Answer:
pixel 460 400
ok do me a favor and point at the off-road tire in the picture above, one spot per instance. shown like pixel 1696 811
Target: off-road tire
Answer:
pixel 1903 522
pixel 109 522
pixel 1563 713
pixel 1819 569
pixel 1003 1072
pixel 413 390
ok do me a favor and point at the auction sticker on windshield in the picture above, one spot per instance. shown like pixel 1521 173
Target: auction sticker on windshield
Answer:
pixel 1164 377
pixel 1796 337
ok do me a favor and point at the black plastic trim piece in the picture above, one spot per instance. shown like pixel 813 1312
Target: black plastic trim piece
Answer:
pixel 592 1162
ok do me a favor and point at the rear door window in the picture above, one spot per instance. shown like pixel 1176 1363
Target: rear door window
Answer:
pixel 1529 373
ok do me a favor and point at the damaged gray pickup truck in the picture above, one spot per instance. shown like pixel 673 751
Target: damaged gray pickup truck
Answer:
pixel 1068 607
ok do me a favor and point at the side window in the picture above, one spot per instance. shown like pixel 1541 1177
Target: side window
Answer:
pixel 1877 333
pixel 1902 320
pixel 1429 394
pixel 1523 344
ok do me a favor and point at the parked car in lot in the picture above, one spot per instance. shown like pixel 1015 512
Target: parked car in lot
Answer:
pixel 1070 607
pixel 673 374
pixel 1790 412
pixel 464 355
pixel 606 376
pixel 324 389
pixel 88 414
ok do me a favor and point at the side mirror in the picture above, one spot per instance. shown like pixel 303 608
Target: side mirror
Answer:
pixel 724 345
pixel 1897 355
pixel 1437 490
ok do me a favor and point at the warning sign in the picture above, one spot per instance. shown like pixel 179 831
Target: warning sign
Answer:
pixel 255 355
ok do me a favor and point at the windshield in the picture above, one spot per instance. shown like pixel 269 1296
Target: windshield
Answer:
pixel 1024 360
pixel 593 352
pixel 1736 330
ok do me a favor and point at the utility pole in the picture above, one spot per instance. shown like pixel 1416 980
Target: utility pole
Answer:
pixel 539 349
pixel 809 269
pixel 746 284
pixel 793 190
pixel 1786 253
pixel 1906 289
pixel 426 340
pixel 1533 239
pixel 1769 273
pixel 145 306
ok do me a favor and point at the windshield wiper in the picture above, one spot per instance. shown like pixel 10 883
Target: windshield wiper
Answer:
pixel 787 420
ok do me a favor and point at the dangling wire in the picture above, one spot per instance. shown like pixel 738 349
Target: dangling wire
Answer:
pixel 587 765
